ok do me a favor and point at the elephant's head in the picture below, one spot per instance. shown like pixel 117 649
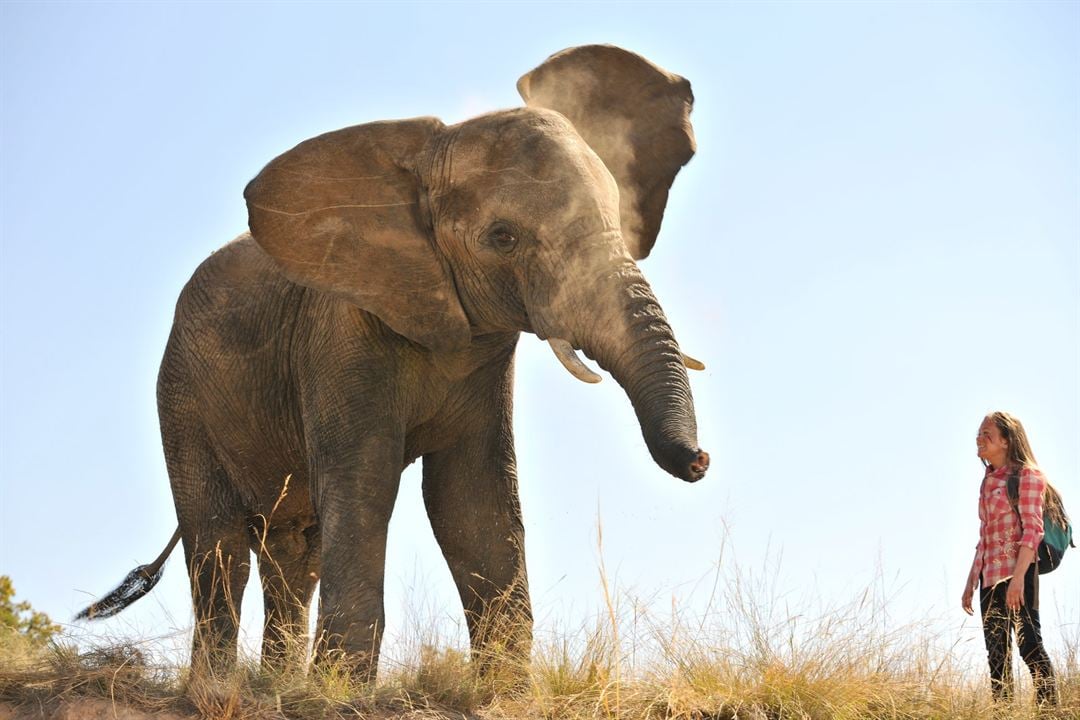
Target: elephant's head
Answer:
pixel 528 219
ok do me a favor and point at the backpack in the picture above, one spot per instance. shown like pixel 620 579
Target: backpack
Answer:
pixel 1057 530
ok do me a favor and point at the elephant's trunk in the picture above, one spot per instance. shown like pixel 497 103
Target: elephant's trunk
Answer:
pixel 619 323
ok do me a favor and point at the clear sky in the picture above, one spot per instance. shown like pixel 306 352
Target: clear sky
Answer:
pixel 877 243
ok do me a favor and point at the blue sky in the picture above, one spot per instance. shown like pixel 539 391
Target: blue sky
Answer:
pixel 877 243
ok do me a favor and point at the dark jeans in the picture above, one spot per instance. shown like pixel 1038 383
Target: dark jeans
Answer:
pixel 998 626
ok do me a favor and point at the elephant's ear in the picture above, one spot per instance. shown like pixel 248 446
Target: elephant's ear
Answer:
pixel 634 115
pixel 342 213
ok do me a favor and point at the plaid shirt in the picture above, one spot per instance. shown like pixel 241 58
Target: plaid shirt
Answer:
pixel 1000 535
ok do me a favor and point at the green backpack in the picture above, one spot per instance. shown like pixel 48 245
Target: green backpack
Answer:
pixel 1057 530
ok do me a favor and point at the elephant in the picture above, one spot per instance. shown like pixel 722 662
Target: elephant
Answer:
pixel 369 318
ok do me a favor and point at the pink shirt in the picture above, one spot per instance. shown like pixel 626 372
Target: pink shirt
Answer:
pixel 1000 535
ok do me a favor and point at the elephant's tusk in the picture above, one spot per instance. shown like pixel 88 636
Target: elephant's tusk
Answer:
pixel 570 360
pixel 692 363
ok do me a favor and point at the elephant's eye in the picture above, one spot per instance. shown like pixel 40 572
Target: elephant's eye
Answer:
pixel 502 238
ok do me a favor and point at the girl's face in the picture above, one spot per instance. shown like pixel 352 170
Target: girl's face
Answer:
pixel 993 448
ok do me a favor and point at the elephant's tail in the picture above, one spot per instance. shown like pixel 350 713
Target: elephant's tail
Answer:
pixel 138 582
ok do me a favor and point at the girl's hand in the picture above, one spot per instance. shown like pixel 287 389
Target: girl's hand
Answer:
pixel 1014 596
pixel 965 602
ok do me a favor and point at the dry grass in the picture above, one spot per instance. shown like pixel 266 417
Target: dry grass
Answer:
pixel 747 657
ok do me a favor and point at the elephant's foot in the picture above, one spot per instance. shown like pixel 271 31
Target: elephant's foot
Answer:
pixel 502 643
pixel 354 658
pixel 357 668
pixel 213 654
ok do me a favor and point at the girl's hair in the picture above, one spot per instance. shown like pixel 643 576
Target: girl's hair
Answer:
pixel 1019 451
pixel 1020 456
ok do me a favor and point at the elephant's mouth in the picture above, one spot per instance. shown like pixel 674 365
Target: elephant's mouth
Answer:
pixel 529 323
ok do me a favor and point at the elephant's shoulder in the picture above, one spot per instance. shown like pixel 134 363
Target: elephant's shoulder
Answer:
pixel 239 264
pixel 240 258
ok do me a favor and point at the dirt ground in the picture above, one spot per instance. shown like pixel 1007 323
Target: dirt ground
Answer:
pixel 100 709
pixel 86 709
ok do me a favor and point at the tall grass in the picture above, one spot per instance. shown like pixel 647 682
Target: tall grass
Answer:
pixel 749 655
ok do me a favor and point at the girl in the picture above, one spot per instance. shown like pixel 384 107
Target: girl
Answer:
pixel 1010 529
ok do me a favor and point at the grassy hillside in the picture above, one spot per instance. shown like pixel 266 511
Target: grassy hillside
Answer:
pixel 742 659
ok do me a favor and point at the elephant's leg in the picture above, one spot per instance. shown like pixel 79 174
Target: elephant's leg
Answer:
pixel 288 568
pixel 214 530
pixel 354 495
pixel 212 518
pixel 471 496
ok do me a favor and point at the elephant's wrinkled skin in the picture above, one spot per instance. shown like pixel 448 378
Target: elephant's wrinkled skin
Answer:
pixel 370 318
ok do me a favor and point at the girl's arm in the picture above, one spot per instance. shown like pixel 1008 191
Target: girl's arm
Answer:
pixel 972 581
pixel 1014 596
